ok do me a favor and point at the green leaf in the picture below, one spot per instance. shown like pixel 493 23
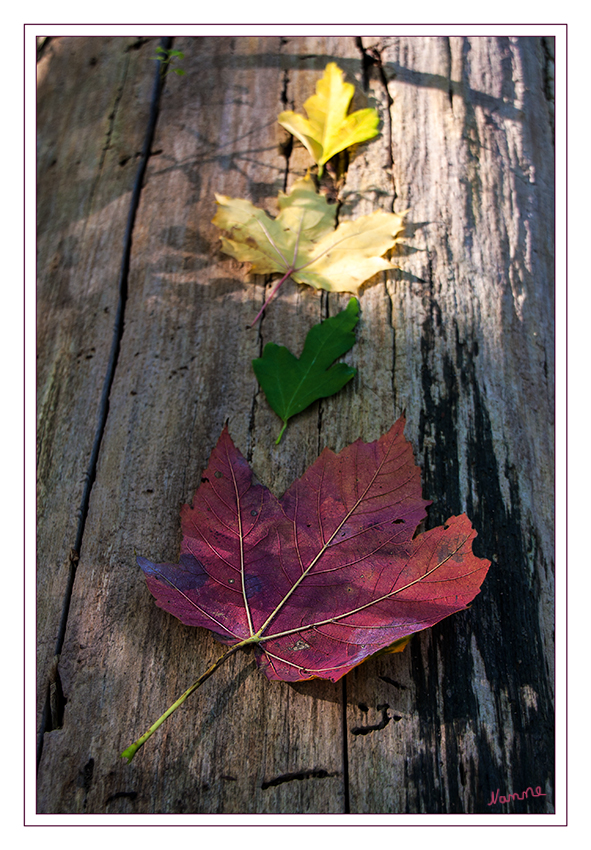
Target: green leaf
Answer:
pixel 179 71
pixel 291 384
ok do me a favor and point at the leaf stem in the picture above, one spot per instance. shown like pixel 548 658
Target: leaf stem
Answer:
pixel 132 750
pixel 271 296
pixel 278 440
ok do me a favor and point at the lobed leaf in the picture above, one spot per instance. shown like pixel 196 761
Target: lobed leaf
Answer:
pixel 275 244
pixel 328 129
pixel 301 241
pixel 353 253
pixel 292 384
pixel 326 576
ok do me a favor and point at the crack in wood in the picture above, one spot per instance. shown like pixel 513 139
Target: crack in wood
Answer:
pixel 345 745
pixel 57 700
pixel 299 775
pixel 42 44
pixel 375 727
pixel 548 73
pixel 121 795
pixel 390 681
pixel 118 326
pixel 85 777
pixel 107 146
pixel 372 58
pixel 450 91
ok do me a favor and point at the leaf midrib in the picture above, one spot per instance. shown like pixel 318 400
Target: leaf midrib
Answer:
pixel 307 373
pixel 241 538
pixel 367 604
pixel 321 553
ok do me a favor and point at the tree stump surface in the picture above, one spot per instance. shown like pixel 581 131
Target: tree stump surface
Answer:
pixel 460 337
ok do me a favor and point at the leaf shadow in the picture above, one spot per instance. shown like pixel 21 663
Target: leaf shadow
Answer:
pixel 223 701
pixel 411 228
pixel 319 689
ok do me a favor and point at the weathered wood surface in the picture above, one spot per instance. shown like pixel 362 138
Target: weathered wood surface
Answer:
pixel 461 338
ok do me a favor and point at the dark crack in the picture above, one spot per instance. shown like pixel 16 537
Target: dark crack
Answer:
pixel 393 682
pixel 375 727
pixel 548 72
pixel 90 474
pixel 450 90
pixel 371 59
pixel 42 45
pixel 299 775
pixel 121 795
pixel 345 745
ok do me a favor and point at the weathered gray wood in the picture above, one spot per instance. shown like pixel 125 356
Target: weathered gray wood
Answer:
pixel 93 103
pixel 460 338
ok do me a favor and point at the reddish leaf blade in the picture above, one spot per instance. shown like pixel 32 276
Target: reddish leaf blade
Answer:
pixel 366 497
pixel 329 575
pixel 390 598
pixel 224 532
pixel 187 591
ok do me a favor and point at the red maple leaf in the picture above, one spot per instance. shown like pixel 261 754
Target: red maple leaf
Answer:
pixel 326 576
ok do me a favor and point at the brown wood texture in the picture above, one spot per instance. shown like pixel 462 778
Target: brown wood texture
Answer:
pixel 460 337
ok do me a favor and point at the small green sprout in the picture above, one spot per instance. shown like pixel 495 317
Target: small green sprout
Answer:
pixel 167 57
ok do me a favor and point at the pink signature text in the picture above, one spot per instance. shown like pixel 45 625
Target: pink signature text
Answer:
pixel 496 799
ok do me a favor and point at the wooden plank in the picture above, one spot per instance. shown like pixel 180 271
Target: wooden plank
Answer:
pixel 184 370
pixel 450 338
pixel 93 104
pixel 467 708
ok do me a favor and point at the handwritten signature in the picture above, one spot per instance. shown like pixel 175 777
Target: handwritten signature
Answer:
pixel 507 799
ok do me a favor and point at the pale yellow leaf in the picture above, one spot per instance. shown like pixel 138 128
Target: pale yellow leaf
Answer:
pixel 302 242
pixel 352 253
pixel 270 243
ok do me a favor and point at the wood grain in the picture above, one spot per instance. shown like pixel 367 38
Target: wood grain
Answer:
pixel 460 337
pixel 93 104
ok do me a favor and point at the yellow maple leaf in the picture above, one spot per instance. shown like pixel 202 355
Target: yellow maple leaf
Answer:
pixel 328 129
pixel 302 242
